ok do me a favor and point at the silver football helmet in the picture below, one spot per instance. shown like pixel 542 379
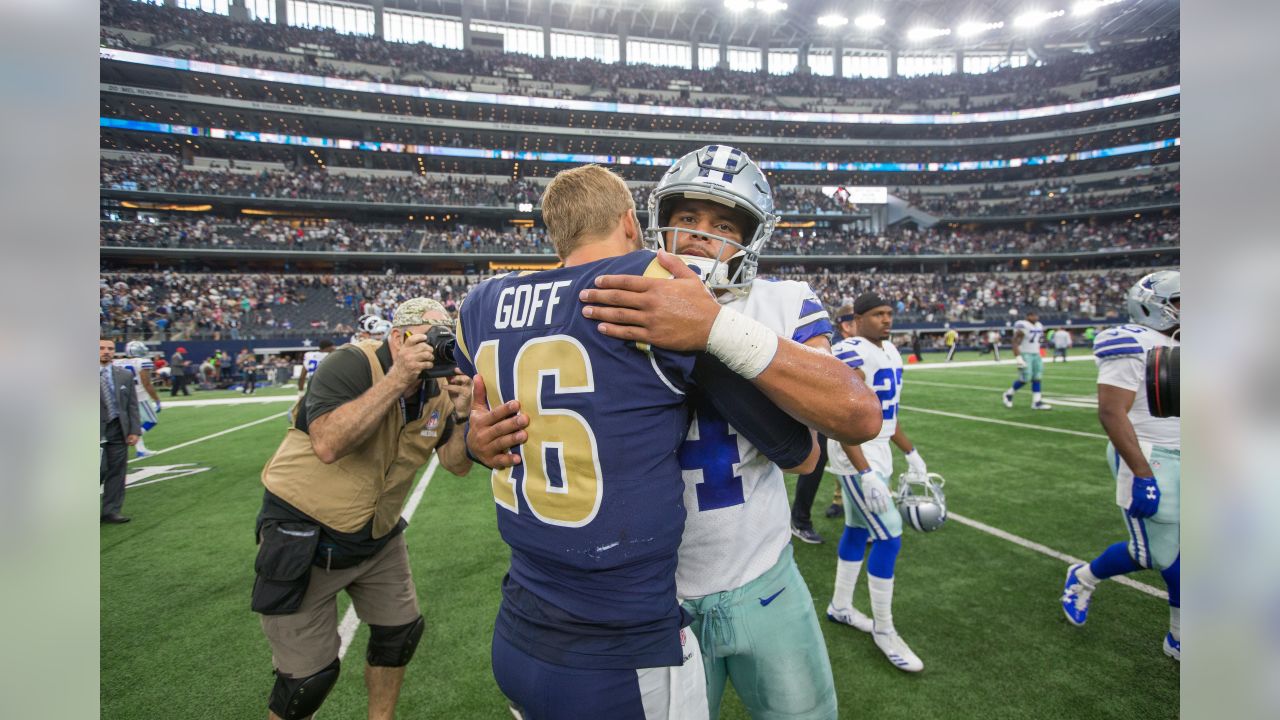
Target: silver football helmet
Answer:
pixel 1153 301
pixel 136 349
pixel 726 175
pixel 920 499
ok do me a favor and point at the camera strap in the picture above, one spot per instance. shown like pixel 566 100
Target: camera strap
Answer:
pixel 422 402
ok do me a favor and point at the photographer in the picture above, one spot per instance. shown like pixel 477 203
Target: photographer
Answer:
pixel 373 413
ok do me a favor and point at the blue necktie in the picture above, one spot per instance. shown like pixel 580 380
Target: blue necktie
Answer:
pixel 108 393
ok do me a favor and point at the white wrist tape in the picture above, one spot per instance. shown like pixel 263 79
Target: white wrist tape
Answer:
pixel 745 345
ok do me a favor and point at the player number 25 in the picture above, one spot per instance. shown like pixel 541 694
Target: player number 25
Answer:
pixel 557 435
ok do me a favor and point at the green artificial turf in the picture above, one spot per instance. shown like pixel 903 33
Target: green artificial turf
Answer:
pixel 179 640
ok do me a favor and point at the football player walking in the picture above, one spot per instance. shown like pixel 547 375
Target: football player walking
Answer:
pixel 1144 453
pixel 1027 336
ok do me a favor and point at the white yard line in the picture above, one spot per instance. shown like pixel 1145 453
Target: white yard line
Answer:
pixel 982 363
pixel 1010 423
pixel 1044 550
pixel 350 623
pixel 1080 401
pixel 220 433
pixel 246 400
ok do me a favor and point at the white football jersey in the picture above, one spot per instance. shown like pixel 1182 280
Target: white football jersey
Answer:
pixel 1032 336
pixel 311 360
pixel 135 366
pixel 881 364
pixel 1121 355
pixel 738 516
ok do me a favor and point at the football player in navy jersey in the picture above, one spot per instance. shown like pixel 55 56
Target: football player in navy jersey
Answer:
pixel 753 613
pixel 590 624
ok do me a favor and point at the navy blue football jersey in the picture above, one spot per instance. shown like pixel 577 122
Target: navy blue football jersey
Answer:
pixel 594 511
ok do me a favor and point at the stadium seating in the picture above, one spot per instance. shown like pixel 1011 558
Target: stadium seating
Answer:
pixel 1062 233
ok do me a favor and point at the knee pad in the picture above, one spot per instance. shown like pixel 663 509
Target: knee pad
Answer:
pixel 393 646
pixel 298 698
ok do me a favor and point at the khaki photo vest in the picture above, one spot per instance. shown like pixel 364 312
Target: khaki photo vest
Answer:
pixel 373 480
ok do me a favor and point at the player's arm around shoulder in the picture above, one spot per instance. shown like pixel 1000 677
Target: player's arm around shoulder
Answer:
pixel 807 382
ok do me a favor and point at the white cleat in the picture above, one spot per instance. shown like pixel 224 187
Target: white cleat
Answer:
pixel 895 648
pixel 1008 398
pixel 849 616
pixel 1172 648
pixel 1042 405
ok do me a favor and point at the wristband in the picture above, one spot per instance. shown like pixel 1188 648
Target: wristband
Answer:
pixel 745 345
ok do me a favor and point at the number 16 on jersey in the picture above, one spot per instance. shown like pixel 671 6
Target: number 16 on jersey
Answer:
pixel 560 477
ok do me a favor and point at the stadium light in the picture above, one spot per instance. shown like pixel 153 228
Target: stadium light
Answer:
pixel 927 33
pixel 969 29
pixel 769 7
pixel 1084 7
pixel 833 21
pixel 869 21
pixel 738 5
pixel 1033 18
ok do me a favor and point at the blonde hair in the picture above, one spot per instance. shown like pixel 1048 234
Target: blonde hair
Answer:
pixel 584 202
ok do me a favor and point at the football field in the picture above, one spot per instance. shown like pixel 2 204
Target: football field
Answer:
pixel 977 600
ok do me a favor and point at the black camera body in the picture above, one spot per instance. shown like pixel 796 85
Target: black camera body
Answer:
pixel 1163 381
pixel 442 342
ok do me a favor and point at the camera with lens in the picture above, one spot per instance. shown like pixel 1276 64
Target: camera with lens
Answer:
pixel 1162 381
pixel 442 342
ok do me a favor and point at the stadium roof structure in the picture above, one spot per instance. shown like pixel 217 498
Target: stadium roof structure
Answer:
pixel 1082 23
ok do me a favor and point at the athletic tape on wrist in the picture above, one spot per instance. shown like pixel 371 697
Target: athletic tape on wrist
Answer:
pixel 745 345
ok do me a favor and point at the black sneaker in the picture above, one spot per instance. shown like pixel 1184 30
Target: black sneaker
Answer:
pixel 808 535
pixel 834 510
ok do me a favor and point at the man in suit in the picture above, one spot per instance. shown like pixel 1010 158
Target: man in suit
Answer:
pixel 119 426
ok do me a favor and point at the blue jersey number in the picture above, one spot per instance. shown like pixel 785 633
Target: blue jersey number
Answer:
pixel 886 382
pixel 715 452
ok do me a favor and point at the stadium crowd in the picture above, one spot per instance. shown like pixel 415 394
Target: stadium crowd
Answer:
pixel 200 33
pixel 167 174
pixel 345 236
pixel 1045 201
pixel 184 306
pixel 164 173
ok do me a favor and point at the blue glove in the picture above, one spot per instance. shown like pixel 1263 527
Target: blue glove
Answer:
pixel 157 407
pixel 1146 497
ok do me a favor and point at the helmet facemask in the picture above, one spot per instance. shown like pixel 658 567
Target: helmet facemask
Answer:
pixel 726 176
pixel 920 500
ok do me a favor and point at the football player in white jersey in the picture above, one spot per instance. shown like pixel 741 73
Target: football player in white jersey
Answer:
pixel 864 470
pixel 310 361
pixel 1144 453
pixel 736 574
pixel 139 364
pixel 1027 336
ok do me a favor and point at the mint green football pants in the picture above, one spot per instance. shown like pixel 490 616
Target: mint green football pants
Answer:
pixel 1034 369
pixel 1154 542
pixel 764 636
